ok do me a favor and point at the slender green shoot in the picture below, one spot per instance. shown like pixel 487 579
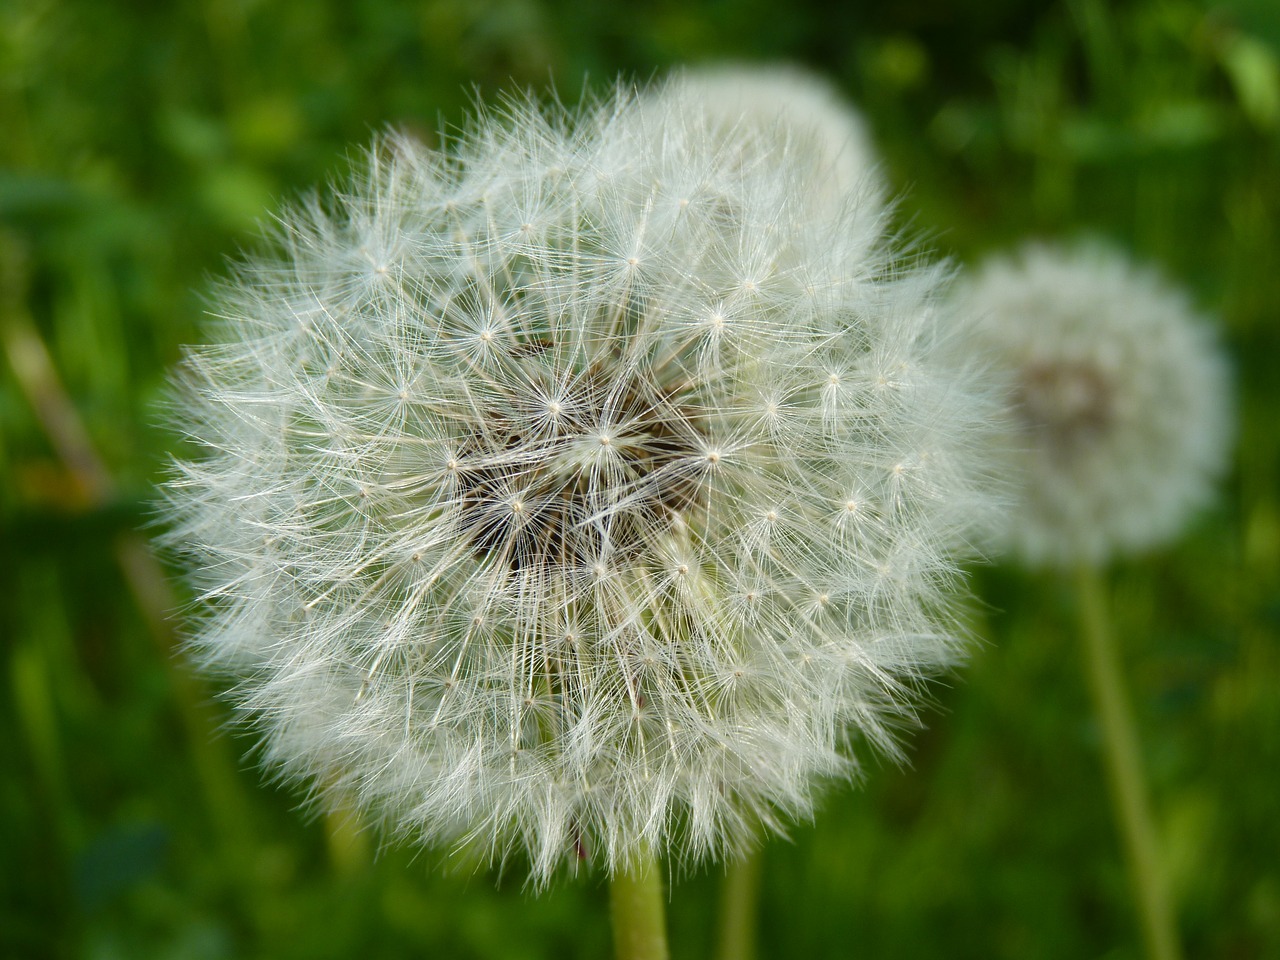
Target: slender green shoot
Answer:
pixel 1130 805
pixel 639 912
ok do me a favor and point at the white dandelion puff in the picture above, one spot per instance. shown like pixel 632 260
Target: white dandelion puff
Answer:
pixel 1119 395
pixel 527 511
pixel 784 108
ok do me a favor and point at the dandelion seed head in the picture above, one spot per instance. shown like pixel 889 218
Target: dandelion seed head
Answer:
pixel 1118 395
pixel 786 105
pixel 520 551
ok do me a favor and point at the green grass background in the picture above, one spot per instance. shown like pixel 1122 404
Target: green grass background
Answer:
pixel 139 145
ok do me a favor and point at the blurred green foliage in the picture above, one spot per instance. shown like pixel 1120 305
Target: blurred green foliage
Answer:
pixel 141 143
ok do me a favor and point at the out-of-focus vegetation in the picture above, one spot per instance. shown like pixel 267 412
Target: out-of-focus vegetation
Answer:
pixel 139 144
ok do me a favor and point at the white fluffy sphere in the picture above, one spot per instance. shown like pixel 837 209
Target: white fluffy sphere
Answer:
pixel 574 491
pixel 1119 394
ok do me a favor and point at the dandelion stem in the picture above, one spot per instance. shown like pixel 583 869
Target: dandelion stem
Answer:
pixel 1130 804
pixel 739 900
pixel 639 915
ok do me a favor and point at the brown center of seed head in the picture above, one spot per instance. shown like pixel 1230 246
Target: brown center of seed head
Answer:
pixel 1066 406
pixel 612 467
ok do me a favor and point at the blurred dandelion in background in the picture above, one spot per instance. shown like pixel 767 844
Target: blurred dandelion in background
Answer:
pixel 783 108
pixel 1119 394
pixel 1118 405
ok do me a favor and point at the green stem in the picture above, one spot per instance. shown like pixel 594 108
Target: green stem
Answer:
pixel 639 913
pixel 739 900
pixel 1130 805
